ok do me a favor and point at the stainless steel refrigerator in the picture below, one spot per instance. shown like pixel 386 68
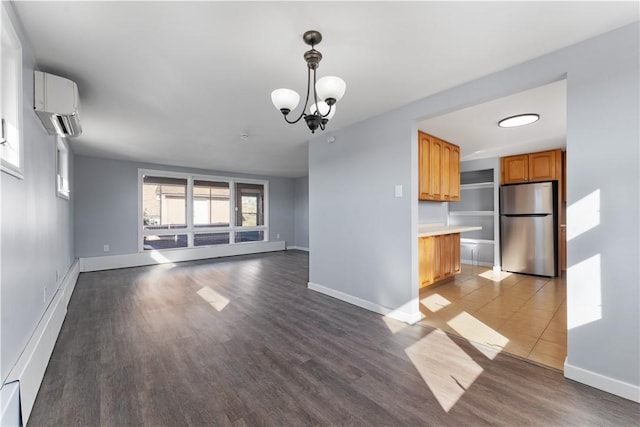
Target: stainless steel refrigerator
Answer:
pixel 528 228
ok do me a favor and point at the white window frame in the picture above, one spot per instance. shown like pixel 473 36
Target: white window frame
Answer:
pixel 11 52
pixel 191 230
pixel 62 168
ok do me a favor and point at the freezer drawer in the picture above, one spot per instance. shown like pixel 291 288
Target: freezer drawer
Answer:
pixel 528 244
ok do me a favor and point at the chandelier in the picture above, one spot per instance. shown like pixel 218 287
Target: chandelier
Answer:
pixel 326 91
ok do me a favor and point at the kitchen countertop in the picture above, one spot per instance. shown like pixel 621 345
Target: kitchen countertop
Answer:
pixel 425 230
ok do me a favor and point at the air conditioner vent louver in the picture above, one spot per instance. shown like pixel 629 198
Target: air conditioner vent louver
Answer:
pixel 56 103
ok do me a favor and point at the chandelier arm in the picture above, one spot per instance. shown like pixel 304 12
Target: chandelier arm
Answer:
pixel 315 99
pixel 306 101
pixel 315 94
pixel 328 112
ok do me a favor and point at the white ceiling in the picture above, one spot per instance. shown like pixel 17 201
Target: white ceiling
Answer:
pixel 475 129
pixel 178 82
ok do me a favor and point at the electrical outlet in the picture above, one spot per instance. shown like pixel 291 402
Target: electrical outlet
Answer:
pixel 277 236
pixel 106 248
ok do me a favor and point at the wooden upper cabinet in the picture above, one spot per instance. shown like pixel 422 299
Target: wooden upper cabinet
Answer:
pixel 423 165
pixel 514 169
pixel 435 169
pixel 445 171
pixel 542 166
pixel 439 169
pixel 454 174
pixel 533 167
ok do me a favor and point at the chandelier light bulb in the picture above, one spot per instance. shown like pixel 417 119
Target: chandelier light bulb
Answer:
pixel 330 89
pixel 285 99
pixel 323 108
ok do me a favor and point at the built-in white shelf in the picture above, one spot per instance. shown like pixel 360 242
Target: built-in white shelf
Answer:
pixel 476 185
pixel 473 213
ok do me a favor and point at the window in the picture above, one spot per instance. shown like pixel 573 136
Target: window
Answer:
pixel 11 150
pixel 211 204
pixel 249 205
pixel 62 168
pixel 181 210
pixel 164 207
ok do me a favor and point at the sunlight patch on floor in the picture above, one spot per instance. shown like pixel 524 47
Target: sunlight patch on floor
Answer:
pixel 485 339
pixel 216 300
pixel 393 324
pixel 495 276
pixel 448 374
pixel 435 302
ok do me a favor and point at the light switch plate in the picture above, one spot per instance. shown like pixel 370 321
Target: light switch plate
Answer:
pixel 399 190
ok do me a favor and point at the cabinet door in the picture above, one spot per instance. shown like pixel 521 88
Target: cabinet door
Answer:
pixel 447 255
pixel 423 166
pixel 455 251
pixel 426 260
pixel 435 161
pixel 542 166
pixel 454 174
pixel 514 169
pixel 438 267
pixel 445 171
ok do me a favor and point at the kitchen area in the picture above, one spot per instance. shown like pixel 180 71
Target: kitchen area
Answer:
pixel 492 246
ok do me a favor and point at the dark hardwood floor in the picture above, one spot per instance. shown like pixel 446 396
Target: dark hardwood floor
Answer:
pixel 241 341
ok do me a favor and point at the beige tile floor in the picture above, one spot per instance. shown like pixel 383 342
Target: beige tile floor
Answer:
pixel 517 314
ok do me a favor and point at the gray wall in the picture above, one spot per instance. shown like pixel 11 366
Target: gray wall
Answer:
pixel 302 212
pixel 37 229
pixel 364 241
pixel 106 204
pixel 433 212
pixel 603 146
pixel 360 233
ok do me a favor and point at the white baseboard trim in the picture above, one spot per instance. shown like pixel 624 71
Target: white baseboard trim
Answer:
pixel 10 404
pixel 300 248
pixel 32 363
pixel 138 259
pixel 402 314
pixel 610 385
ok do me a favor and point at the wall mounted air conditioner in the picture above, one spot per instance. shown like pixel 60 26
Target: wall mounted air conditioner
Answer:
pixel 56 103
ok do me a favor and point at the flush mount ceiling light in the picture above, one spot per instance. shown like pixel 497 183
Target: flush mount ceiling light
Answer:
pixel 326 91
pixel 519 120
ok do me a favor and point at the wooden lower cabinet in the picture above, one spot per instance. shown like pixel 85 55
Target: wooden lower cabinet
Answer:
pixel 439 258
